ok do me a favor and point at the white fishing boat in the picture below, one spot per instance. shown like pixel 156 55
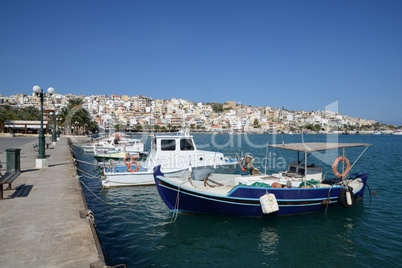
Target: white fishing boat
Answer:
pixel 114 143
pixel 117 155
pixel 377 133
pixel 398 132
pixel 177 154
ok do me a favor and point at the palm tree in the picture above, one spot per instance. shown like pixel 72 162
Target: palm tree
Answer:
pixel 75 102
pixel 74 112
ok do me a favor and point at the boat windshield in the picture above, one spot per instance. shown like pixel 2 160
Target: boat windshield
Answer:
pixel 168 145
pixel 186 145
pixel 292 169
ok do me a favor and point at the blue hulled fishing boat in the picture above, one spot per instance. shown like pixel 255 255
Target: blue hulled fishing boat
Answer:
pixel 299 189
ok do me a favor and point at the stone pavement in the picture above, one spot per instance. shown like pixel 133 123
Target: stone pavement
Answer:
pixel 40 224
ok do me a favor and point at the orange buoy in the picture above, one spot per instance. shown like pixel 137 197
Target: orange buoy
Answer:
pixel 335 166
pixel 128 163
pixel 134 170
pixel 276 185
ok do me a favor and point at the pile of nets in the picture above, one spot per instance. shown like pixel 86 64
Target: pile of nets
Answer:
pixel 309 184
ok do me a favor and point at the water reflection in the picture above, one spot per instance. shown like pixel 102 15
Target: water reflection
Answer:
pixel 269 239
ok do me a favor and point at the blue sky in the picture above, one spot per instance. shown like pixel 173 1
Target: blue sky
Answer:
pixel 301 55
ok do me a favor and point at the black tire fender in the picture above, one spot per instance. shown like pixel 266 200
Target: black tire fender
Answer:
pixel 342 197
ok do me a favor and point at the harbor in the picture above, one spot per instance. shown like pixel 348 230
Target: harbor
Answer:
pixel 136 228
pixel 43 217
pixel 200 134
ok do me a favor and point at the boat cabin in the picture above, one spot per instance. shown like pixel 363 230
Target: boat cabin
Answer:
pixel 173 143
pixel 296 170
pixel 180 151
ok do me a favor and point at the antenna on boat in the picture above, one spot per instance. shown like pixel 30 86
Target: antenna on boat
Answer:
pixel 266 159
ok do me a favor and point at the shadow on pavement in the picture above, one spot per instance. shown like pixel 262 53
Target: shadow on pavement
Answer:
pixel 29 170
pixel 60 164
pixel 22 191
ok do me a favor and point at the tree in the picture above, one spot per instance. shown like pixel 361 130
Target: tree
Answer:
pixel 316 127
pixel 93 126
pixel 119 127
pixel 74 112
pixel 8 112
pixel 75 102
pixel 256 123
pixel 217 107
pixel 30 113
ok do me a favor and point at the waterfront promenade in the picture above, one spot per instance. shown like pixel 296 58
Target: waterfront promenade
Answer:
pixel 41 221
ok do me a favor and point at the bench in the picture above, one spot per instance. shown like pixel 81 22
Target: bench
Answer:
pixel 8 178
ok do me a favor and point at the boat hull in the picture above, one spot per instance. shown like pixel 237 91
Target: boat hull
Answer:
pixel 141 178
pixel 118 156
pixel 245 201
pixel 145 177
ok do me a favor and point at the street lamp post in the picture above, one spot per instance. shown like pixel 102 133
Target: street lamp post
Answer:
pixel 58 127
pixel 41 161
pixel 50 119
pixel 54 134
pixel 76 128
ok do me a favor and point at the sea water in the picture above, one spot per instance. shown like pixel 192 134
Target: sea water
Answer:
pixel 136 228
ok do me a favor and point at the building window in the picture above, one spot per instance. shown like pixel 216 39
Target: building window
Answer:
pixel 186 145
pixel 168 145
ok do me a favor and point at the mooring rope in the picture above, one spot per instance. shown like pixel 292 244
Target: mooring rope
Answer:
pixel 176 206
pixel 110 204
pixel 85 162
pixel 369 190
pixel 90 176
pixel 328 200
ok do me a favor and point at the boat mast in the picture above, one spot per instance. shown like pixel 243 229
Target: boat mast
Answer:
pixel 305 168
pixel 343 164
pixel 266 159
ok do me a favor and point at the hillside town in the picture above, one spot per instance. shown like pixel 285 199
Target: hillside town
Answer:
pixel 141 113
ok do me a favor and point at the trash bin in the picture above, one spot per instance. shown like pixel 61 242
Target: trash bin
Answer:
pixel 13 159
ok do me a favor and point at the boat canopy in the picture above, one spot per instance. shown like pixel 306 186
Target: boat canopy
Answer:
pixel 316 146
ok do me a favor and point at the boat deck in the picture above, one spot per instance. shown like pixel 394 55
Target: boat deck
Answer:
pixel 222 184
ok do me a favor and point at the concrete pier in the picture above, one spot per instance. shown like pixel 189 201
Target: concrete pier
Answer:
pixel 42 223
